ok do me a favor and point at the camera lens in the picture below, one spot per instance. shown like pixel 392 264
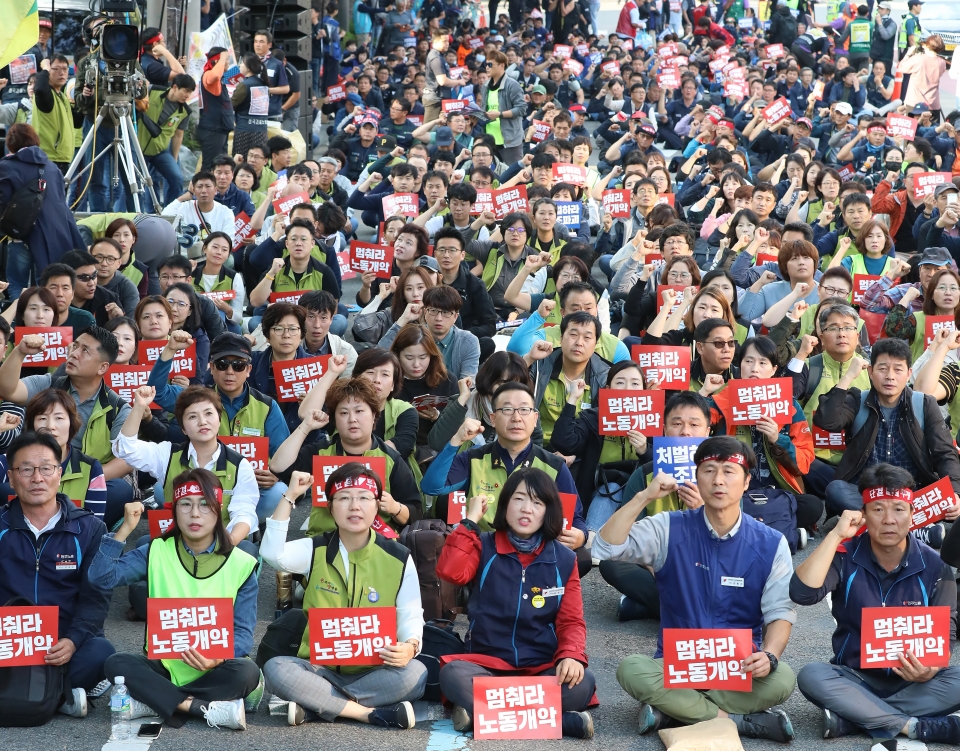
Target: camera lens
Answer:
pixel 120 43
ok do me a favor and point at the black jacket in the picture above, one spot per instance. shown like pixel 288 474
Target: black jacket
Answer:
pixel 477 314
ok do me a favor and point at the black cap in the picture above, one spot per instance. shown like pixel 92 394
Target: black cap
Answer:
pixel 385 143
pixel 228 344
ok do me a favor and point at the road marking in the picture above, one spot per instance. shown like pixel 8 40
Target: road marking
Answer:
pixel 444 738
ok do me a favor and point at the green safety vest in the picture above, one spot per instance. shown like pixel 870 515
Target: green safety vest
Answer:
pixel 376 574
pixel 493 267
pixel 902 36
pixel 96 438
pixel 606 346
pixel 668 503
pixel 169 575
pixel 488 475
pixel 391 411
pixel 228 464
pixel 75 480
pixel 809 319
pixel 224 280
pixel 315 252
pixel 312 278
pixel 251 419
pixel 493 127
pixel 859 266
pixel 152 146
pixel 831 374
pixel 132 273
pixel 55 128
pixel 918 346
pixel 740 334
pixel 860 37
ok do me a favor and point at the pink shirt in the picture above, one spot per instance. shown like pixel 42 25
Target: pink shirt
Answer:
pixel 925 71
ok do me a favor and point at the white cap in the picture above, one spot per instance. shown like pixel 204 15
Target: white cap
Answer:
pixel 118 681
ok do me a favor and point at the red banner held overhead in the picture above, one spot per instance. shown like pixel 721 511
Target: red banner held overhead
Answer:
pixel 667 367
pixel 452 105
pixel 57 339
pixel 925 183
pixel 294 378
pixel 570 173
pixel 541 131
pixel 283 205
pixel 516 708
pixel 623 410
pixel 27 632
pixel 324 466
pixel 401 204
pixel 369 257
pixel 177 624
pixel 901 126
pixel 775 51
pixel 351 636
pixel 887 633
pixel 745 401
pixel 708 658
pixel 562 51
pixel 776 111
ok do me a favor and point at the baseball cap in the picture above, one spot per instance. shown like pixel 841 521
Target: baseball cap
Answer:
pixel 228 344
pixel 804 121
pixel 914 2
pixel 46 23
pixel 385 143
pixel 645 126
pixel 428 262
pixel 538 89
pixel 919 109
pixel 808 143
pixel 577 108
pixel 941 189
pixel 931 256
pixel 844 108
pixel 885 5
pixel 444 136
pixel 368 120
pixel 355 98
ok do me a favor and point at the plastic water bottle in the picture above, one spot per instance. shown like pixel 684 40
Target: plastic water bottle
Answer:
pixel 121 710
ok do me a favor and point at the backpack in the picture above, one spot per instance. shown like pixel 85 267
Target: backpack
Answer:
pixel 24 208
pixel 776 509
pixel 283 636
pixel 439 639
pixel 424 539
pixel 860 420
pixel 30 694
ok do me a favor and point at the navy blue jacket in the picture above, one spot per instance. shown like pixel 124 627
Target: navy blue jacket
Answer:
pixel 261 378
pixel 236 200
pixel 53 569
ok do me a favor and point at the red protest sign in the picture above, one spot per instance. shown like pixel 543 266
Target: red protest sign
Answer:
pixel 336 93
pixel 184 363
pixel 925 183
pixel 457 72
pixel 176 624
pixel 292 297
pixel 125 379
pixel 569 503
pixel 517 708
pixel 343 258
pixel 401 204
pixel 57 339
pixel 223 294
pixel 747 400
pixel 283 205
pixel 255 449
pixel 370 257
pixel 508 200
pixel 452 105
pixel 242 230
pixel 653 259
pixel 679 289
pixel 668 367
pixel 159 520
pixel 351 636
pixel 562 51
pixel 825 440
pixel 763 258
pixel 669 78
pixel 930 504
pixel 680 61
pixel 456 507
pixel 668 50
pixel 574 66
pixel 611 68
pixel 484 202
pixel 570 173
pixel 668 198
pixel 416 120
pixel 541 130
pixel 933 324
pixel 899 126
pixel 27 632
pixel 717 65
pixel 623 410
pixel 324 466
pixel 583 50
pixel 776 111
pixel 775 51
pixel 846 172
pixel 736 74
pixel 707 658
pixel 294 378
pixel 886 633
pixel 861 283
pixel 616 203
pixel 737 89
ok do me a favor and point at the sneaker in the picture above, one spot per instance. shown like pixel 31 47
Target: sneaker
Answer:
pixel 141 710
pixel 100 689
pixel 252 701
pixel 577 724
pixel 834 726
pixel 76 706
pixel 828 525
pixel 939 729
pixel 295 714
pixel 652 719
pixel 226 714
pixel 398 716
pixel 631 610
pixel 932 535
pixel 771 724
pixel 461 719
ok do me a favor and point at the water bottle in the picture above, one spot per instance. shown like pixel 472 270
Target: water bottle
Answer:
pixel 121 710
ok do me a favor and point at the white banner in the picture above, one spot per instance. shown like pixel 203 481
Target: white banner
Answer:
pixel 217 35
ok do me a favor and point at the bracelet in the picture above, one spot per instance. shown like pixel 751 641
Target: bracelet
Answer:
pixel 271 278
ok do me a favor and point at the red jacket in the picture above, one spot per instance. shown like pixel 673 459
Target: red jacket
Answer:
pixel 894 204
pixel 716 31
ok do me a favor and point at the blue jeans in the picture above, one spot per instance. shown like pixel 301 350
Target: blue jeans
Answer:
pixel 99 190
pixel 19 268
pixel 164 165
pixel 842 496
pixel 315 70
pixel 338 326
pixel 602 507
pixel 604 263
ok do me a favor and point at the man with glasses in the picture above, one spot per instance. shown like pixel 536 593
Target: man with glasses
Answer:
pixel 90 296
pixel 856 212
pixel 257 158
pixel 716 345
pixel 60 279
pixel 298 271
pixel 46 547
pixel 483 470
pixel 397 125
pixel 482 156
pixel 53 115
pixel 228 194
pixel 176 269
pixel 108 254
pixel 203 211
pixel 327 187
pixel 244 410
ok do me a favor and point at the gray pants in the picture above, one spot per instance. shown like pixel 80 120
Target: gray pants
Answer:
pixel 325 692
pixel 879 705
pixel 291 119
pixel 431 111
pixel 510 155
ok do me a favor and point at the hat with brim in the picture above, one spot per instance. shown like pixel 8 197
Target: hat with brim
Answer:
pixel 936 257
pixel 428 262
pixel 919 109
pixel 538 89
pixel 945 188
pixel 230 345
pixel 804 121
pixel 844 108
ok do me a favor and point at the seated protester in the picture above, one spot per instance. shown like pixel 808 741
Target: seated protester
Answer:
pixel 211 276
pixel 460 197
pixel 856 213
pixel 355 559
pixel 871 142
pixel 81 477
pixel 784 453
pixel 895 196
pixel 798 263
pixel 177 269
pixel 245 411
pixel 724 283
pixel 479 470
pixel 328 189
pixel 678 329
pixel 439 310
pixel 687 415
pixel 299 177
pixel 500 260
pixel 942 298
pixel 565 192
pixel 198 413
pixel 403 178
pixel 714 340
pixel 198 207
pixel 352 406
pixel 36 307
pixel 742 241
pixel 848 90
pixel 91 297
pixel 477 314
pixel 766 139
pixel 36 572
pixel 124 231
pixel 537 271
pixel 321 309
pixel 185 306
pixel 102 412
pixel 669 544
pixel 395 124
pixel 61 280
pixel 867 251
pixel 298 271
pixel 889 423
pixel 912 700
pixel 942 232
pixel 371 325
pixel 884 294
pixel 227 193
pixel 823 192
pixel 549 633
pixel 606 461
pixel 574 297
pixel 196 557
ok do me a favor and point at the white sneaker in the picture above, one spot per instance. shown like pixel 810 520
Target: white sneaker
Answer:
pixel 226 714
pixel 141 710
pixel 295 714
pixel 77 706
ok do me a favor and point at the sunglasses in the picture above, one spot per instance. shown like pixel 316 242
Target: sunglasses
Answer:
pixel 238 366
pixel 86 277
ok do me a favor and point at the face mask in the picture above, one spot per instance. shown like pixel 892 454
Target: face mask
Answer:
pixel 893 166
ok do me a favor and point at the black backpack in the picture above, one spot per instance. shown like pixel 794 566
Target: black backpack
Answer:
pixel 30 694
pixel 283 636
pixel 425 539
pixel 439 639
pixel 24 209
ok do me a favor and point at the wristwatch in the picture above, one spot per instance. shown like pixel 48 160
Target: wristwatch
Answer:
pixel 773 661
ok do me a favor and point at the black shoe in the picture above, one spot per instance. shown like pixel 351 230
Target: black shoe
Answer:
pixel 931 535
pixel 828 525
pixel 577 725
pixel 631 610
pixel 394 716
pixel 772 724
pixel 834 726
pixel 651 719
pixel 939 729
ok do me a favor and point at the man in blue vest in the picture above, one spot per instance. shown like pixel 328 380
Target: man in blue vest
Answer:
pixel 688 551
pixel 887 565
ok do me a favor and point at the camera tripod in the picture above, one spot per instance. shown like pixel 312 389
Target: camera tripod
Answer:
pixel 125 148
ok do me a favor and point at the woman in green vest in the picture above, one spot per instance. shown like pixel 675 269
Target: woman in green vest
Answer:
pixel 36 307
pixel 125 233
pixel 245 178
pixel 867 253
pixel 211 275
pixel 808 197
pixel 351 566
pixel 154 318
pixel 941 298
pixel 194 559
pixel 723 281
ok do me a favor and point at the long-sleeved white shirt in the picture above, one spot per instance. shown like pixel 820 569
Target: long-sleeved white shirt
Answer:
pixel 218 219
pixel 297 556
pixel 153 458
pixel 236 304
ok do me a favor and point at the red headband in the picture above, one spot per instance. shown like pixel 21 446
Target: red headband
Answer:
pixel 885 494
pixel 151 40
pixel 363 482
pixel 733 459
pixel 192 487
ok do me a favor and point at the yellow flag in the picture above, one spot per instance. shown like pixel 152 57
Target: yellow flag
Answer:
pixel 20 29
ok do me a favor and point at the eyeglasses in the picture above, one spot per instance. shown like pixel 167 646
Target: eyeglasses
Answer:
pixel 942 288
pixel 679 276
pixel 568 277
pixel 516 230
pixel 488 66
pixel 46 470
pixel 840 329
pixel 177 303
pixel 446 251
pixel 835 291
pixel 437 313
pixel 187 507
pixel 718 344
pixel 281 330
pixel 170 277
pixel 522 411
pixel 238 366
pixel 88 277
pixel 106 259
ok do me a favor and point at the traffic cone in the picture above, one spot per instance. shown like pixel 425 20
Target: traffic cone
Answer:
pixel 897 85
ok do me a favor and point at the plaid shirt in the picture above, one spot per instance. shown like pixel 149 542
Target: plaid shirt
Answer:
pixel 882 296
pixel 890 446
